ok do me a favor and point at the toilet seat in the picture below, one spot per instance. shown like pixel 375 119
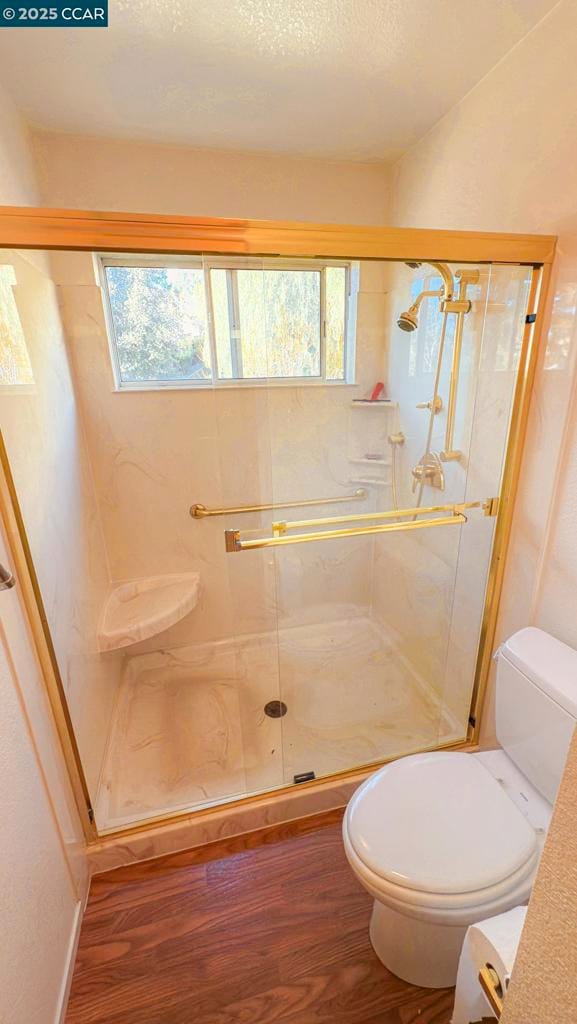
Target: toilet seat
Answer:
pixel 457 847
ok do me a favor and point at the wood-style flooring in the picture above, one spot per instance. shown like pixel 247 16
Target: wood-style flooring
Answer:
pixel 268 928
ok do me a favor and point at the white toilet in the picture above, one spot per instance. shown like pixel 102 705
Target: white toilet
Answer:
pixel 443 840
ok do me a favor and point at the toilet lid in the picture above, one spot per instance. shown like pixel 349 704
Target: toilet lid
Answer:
pixel 439 823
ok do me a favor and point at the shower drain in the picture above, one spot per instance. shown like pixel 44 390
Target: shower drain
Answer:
pixel 275 709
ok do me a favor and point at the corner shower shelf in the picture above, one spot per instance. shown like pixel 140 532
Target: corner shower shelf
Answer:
pixel 369 481
pixel 383 403
pixel 142 608
pixel 369 462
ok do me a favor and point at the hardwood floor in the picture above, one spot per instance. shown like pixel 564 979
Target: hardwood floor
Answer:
pixel 270 928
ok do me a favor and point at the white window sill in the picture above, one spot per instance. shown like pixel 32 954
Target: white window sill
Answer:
pixel 236 384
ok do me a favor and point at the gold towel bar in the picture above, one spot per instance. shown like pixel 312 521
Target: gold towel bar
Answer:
pixel 489 508
pixel 202 512
pixel 234 542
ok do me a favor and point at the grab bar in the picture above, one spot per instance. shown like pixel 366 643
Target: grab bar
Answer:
pixel 234 542
pixel 202 512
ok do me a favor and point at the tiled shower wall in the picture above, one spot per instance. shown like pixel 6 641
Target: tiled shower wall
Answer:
pixel 108 482
pixel 154 453
pixel 430 585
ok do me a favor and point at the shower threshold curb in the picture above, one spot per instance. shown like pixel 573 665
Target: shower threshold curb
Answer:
pixel 226 821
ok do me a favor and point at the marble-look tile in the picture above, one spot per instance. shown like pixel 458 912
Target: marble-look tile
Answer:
pixel 430 586
pixel 259 682
pixel 190 727
pixel 177 739
pixel 154 453
pixel 333 724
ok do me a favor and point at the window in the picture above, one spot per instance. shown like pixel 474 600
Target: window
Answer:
pixel 194 322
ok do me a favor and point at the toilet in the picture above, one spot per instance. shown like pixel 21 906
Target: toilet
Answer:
pixel 446 839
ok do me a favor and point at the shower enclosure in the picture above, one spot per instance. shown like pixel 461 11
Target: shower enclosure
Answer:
pixel 276 493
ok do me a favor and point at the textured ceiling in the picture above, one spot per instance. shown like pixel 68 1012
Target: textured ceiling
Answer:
pixel 350 79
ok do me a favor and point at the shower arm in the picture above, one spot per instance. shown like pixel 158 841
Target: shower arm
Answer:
pixel 449 303
pixel 448 283
pixel 437 293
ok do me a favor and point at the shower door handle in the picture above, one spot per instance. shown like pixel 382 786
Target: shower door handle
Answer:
pixel 7 580
pixel 405 519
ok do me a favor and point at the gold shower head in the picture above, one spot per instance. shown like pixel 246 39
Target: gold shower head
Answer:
pixel 408 321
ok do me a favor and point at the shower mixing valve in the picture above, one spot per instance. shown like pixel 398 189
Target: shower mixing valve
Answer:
pixel 429 471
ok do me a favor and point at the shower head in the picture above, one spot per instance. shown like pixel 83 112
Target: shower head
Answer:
pixel 408 321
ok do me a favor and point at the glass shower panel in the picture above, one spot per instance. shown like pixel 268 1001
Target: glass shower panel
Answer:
pixel 355 689
pixel 244 467
pixel 132 388
pixel 492 389
pixel 377 634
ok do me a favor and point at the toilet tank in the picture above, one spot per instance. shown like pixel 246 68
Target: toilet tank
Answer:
pixel 536 706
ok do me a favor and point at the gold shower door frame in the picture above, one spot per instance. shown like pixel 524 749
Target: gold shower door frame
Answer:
pixel 53 229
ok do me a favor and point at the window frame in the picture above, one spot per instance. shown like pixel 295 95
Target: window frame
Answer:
pixel 232 263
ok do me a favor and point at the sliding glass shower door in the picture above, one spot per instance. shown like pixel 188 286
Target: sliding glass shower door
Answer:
pixel 365 583
pixel 268 495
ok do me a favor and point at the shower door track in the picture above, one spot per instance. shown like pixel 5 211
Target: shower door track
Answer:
pixel 96 231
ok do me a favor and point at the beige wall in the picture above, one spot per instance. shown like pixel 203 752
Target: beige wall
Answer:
pixel 104 174
pixel 504 159
pixel 544 984
pixel 37 898
pixel 43 868
pixel 18 185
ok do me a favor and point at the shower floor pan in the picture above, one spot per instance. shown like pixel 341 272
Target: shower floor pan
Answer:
pixel 190 729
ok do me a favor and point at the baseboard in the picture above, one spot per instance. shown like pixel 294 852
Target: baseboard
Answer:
pixel 70 961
